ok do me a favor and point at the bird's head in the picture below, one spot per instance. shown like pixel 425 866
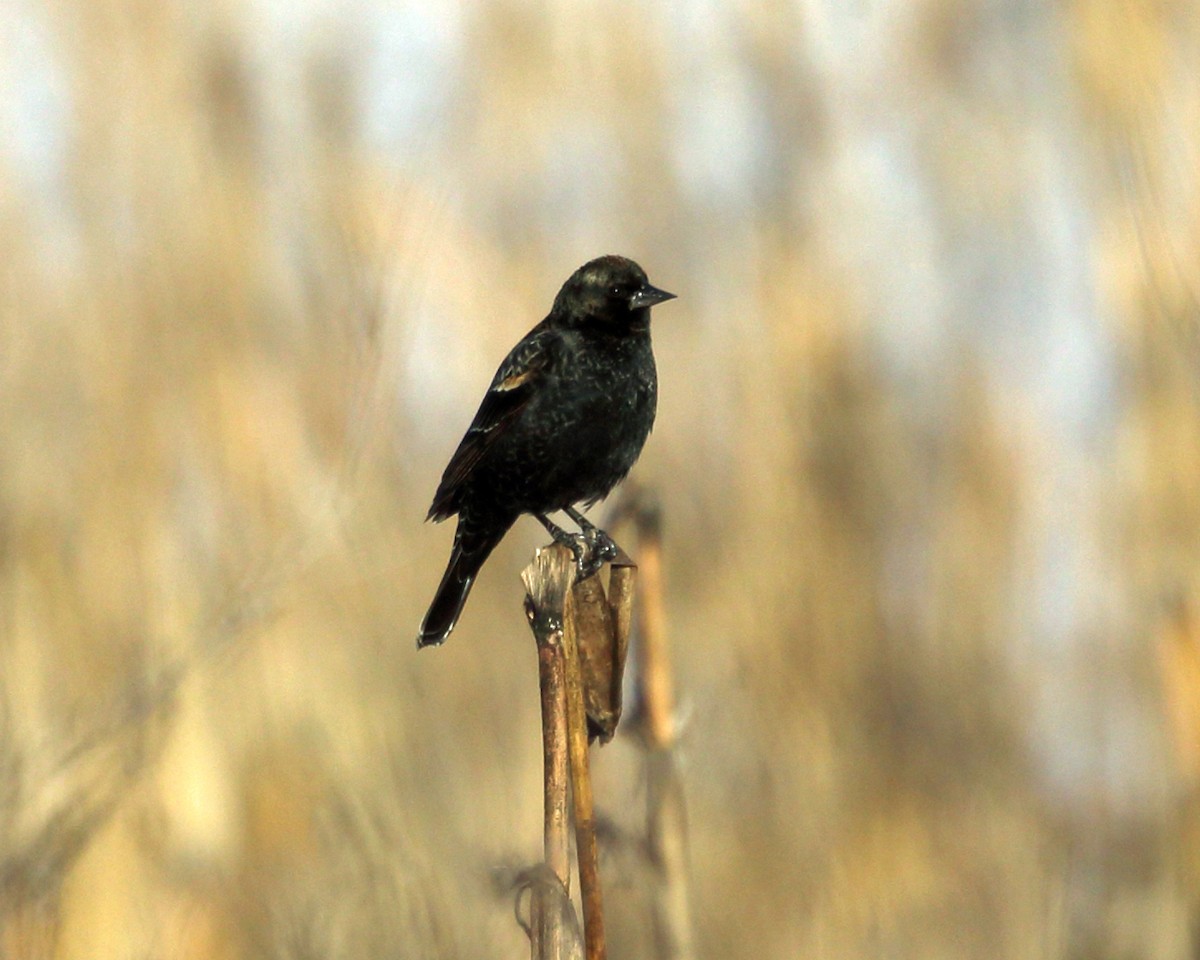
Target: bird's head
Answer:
pixel 608 292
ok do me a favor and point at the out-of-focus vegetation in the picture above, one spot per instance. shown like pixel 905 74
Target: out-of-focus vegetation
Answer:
pixel 928 447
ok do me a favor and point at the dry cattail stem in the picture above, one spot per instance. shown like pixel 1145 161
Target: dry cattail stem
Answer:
pixel 602 623
pixel 666 811
pixel 548 583
pixel 581 795
pixel 582 635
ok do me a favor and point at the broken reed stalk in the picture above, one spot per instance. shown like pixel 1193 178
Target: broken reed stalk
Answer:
pixel 655 689
pixel 602 617
pixel 573 623
pixel 666 813
pixel 581 795
pixel 548 582
pixel 555 828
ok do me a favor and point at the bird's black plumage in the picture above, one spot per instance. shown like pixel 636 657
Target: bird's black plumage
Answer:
pixel 562 422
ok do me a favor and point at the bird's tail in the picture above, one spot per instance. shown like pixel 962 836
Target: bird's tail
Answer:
pixel 469 552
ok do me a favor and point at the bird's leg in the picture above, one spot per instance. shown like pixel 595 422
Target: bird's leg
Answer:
pixel 599 540
pixel 588 559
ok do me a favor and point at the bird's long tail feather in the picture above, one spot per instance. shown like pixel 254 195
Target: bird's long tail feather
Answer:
pixel 467 556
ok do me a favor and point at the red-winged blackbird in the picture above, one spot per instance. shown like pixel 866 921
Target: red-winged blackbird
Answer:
pixel 564 419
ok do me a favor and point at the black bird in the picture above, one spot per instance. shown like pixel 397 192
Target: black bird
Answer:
pixel 563 421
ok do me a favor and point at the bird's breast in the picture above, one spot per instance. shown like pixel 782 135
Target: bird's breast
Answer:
pixel 602 405
pixel 614 384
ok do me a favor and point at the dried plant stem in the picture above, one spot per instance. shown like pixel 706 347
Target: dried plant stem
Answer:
pixel 581 793
pixel 547 903
pixel 548 582
pixel 601 619
pixel 666 813
pixel 556 833
pixel 655 687
pixel 553 607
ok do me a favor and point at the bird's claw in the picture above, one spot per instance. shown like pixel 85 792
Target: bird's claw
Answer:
pixel 588 562
pixel 581 547
pixel 600 549
pixel 604 546
pixel 590 553
pixel 592 547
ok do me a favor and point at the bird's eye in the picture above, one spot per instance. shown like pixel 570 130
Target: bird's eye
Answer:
pixel 616 290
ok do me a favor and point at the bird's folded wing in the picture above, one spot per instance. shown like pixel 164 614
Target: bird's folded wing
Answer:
pixel 514 384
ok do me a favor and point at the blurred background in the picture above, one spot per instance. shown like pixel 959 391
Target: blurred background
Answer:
pixel 928 450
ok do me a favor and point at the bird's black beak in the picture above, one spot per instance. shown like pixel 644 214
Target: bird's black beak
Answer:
pixel 648 296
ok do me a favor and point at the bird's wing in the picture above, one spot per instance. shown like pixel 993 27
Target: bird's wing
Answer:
pixel 514 384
